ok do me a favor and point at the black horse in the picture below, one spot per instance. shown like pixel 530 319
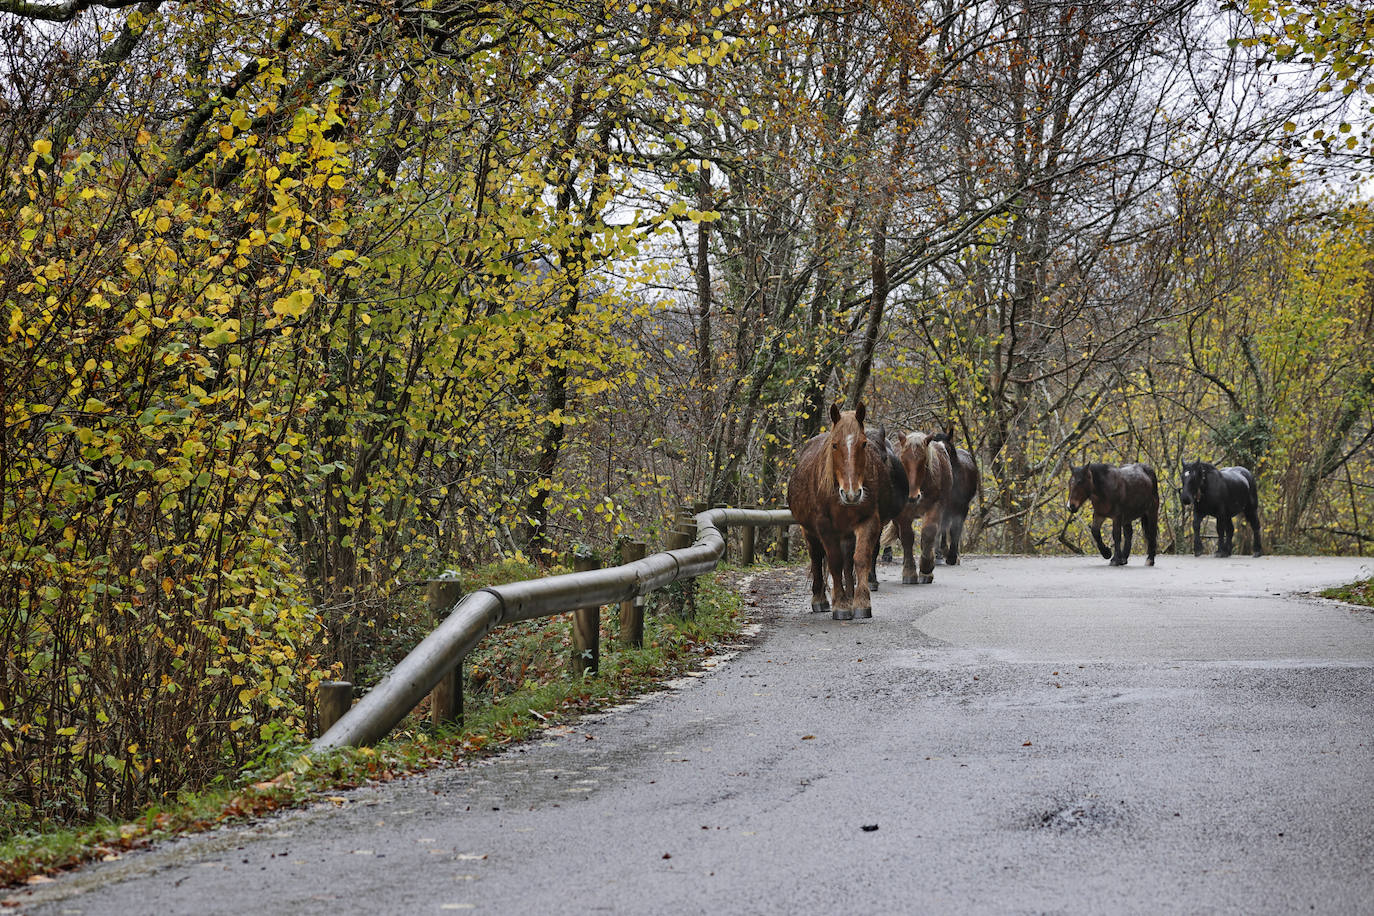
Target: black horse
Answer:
pixel 1121 494
pixel 961 493
pixel 892 507
pixel 1222 493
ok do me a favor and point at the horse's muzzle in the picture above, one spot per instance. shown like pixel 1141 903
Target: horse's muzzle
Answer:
pixel 848 498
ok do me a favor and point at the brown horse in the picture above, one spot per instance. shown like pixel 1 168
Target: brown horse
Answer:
pixel 836 494
pixel 930 480
pixel 1122 494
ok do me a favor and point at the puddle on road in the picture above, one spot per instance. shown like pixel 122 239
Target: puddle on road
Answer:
pixel 1085 814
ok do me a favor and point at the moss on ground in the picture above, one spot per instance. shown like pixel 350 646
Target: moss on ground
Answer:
pixel 1361 593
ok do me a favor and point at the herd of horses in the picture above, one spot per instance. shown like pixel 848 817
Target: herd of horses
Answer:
pixel 854 491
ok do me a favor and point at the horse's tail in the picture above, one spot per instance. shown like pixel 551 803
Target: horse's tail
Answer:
pixel 889 536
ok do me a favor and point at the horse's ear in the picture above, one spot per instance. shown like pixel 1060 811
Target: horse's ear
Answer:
pixel 859 413
pixel 834 413
pixel 949 432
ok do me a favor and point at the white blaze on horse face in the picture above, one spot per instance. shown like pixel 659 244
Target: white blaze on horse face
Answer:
pixel 850 494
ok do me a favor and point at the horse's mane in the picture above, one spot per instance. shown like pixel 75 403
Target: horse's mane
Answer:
pixel 825 482
pixel 1098 470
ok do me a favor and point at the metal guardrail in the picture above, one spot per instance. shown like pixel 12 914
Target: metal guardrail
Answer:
pixel 443 650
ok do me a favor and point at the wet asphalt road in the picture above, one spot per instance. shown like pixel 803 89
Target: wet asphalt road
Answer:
pixel 1027 736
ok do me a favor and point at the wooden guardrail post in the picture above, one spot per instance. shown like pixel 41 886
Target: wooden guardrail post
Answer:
pixel 724 537
pixel 681 534
pixel 747 545
pixel 332 701
pixel 586 650
pixel 632 611
pixel 783 533
pixel 679 597
pixel 446 699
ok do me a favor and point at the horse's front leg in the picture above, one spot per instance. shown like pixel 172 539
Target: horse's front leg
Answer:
pixel 873 564
pixel 930 530
pixel 908 536
pixel 1226 531
pixel 1126 541
pixel 848 543
pixel 1117 533
pixel 866 539
pixel 819 602
pixel 1096 527
pixel 839 598
pixel 954 535
pixel 1197 530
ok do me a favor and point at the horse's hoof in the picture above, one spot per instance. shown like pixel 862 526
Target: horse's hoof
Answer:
pixel 1106 556
pixel 910 579
pixel 951 561
pixel 925 579
pixel 842 614
pixel 1257 554
pixel 1150 561
pixel 820 607
pixel 863 613
pixel 872 585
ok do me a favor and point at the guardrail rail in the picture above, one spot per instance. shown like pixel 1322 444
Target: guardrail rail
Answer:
pixel 441 653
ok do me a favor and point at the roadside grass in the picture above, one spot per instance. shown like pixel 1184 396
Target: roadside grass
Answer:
pixel 1361 593
pixel 521 687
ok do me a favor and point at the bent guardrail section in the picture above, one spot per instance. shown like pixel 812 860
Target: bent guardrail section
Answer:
pixel 383 707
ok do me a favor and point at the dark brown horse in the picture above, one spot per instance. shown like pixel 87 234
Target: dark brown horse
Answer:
pixel 966 485
pixel 930 480
pixel 837 494
pixel 1121 494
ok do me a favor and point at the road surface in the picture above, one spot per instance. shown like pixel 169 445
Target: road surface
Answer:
pixel 1022 736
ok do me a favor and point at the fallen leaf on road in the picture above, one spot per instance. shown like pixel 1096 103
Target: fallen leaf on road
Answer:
pixel 1026 744
pixel 869 828
pixel 808 737
pixel 39 879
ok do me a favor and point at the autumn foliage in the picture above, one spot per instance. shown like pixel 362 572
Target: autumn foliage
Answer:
pixel 301 303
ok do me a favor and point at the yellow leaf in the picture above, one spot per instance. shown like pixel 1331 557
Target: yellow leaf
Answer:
pixel 42 147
